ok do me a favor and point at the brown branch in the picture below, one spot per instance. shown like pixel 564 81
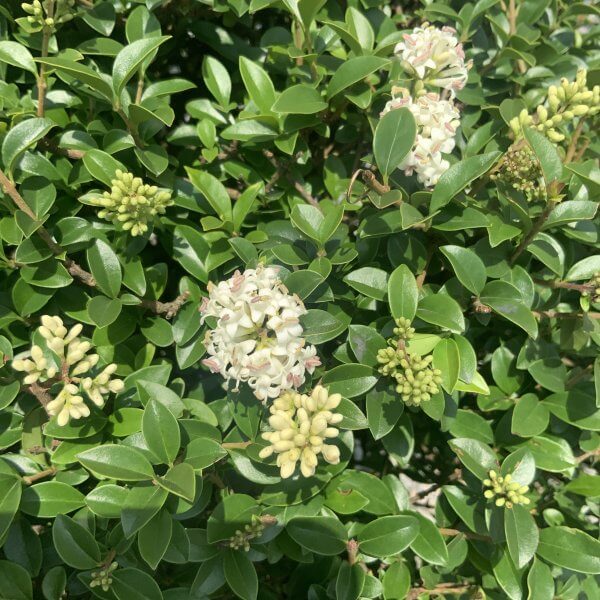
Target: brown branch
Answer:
pixel 587 455
pixel 423 274
pixel 537 227
pixel 236 445
pixel 572 149
pixel 583 374
pixel 132 128
pixel 555 284
pixel 140 88
pixel 40 393
pixel 554 314
pixel 581 150
pixel 284 170
pixel 371 182
pixel 513 12
pixel 469 535
pixel 41 81
pixel 441 589
pixel 51 146
pixel 29 479
pixel 109 558
pixel 169 309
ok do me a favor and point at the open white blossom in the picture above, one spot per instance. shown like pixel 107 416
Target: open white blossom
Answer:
pixel 435 56
pixel 437 121
pixel 69 358
pixel 301 423
pixel 258 335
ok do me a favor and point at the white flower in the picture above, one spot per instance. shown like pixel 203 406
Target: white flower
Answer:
pixel 258 335
pixel 435 56
pixel 437 121
pixel 301 424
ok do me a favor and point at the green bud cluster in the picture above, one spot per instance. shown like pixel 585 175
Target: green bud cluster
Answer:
pixel 416 380
pixel 39 13
pixel 241 539
pixel 103 577
pixel 521 169
pixel 566 102
pixel 504 490
pixel 403 329
pixel 131 203
pixel 594 294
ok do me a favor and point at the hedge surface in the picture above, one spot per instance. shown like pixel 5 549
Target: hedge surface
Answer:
pixel 299 299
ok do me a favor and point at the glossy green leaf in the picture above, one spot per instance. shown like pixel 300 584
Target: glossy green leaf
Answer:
pixel 394 137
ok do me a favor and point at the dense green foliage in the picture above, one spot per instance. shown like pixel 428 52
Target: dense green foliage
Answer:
pixel 299 300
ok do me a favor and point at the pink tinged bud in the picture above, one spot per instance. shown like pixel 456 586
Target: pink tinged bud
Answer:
pixel 212 364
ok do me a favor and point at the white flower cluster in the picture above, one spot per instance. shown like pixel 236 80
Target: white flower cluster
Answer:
pixel 301 424
pixel 435 56
pixel 258 336
pixel 68 360
pixel 437 121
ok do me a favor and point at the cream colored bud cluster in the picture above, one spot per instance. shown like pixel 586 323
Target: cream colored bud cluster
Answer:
pixel 504 490
pixel 70 352
pixel 103 577
pixel 566 102
pixel 131 203
pixel 241 539
pixel 416 380
pixel 521 169
pixel 39 15
pixel 594 282
pixel 403 329
pixel 300 425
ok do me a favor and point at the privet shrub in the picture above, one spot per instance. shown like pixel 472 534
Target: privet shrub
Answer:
pixel 299 299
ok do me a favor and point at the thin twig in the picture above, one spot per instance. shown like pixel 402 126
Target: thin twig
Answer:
pixel 555 284
pixel 236 445
pixel 423 274
pixel 169 309
pixel 587 455
pixel 51 146
pixel 140 88
pixel 41 82
pixel 40 393
pixel 554 314
pixel 579 154
pixel 441 590
pixel 371 181
pixel 572 149
pixel 537 227
pixel 132 128
pixel 513 12
pixel 284 170
pixel 468 534
pixel 29 479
